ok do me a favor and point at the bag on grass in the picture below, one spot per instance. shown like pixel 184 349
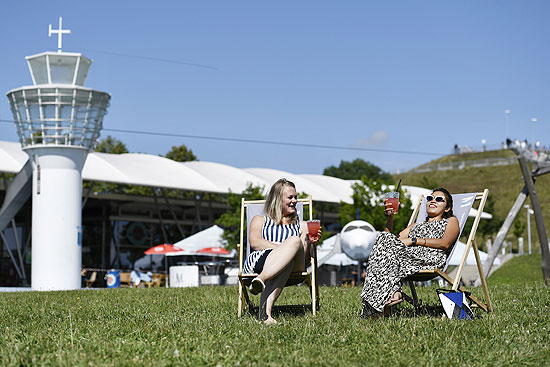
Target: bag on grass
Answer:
pixel 455 304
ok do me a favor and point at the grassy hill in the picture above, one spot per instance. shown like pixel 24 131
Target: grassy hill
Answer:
pixel 517 271
pixel 504 183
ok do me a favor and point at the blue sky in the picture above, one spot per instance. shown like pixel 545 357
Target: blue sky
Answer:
pixel 416 76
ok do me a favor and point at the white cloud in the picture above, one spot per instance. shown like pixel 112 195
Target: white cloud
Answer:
pixel 377 138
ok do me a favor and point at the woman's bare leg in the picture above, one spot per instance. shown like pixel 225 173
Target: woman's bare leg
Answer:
pixel 280 257
pixel 286 258
pixel 273 289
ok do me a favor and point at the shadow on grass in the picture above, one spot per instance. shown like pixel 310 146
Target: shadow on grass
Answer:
pixel 427 310
pixel 423 310
pixel 294 310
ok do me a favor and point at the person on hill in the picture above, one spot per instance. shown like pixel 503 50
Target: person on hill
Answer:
pixel 424 245
pixel 281 244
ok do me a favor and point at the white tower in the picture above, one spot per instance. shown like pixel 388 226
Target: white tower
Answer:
pixel 58 121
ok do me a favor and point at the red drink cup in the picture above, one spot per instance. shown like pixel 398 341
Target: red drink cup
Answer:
pixel 313 227
pixel 393 199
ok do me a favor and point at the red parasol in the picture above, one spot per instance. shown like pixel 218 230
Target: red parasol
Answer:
pixel 214 251
pixel 163 249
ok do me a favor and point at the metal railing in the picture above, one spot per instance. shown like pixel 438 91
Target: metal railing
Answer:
pixel 487 162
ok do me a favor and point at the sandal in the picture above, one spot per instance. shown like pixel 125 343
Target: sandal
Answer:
pixel 257 286
pixel 369 312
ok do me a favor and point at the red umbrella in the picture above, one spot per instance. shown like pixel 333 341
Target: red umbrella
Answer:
pixel 214 251
pixel 163 249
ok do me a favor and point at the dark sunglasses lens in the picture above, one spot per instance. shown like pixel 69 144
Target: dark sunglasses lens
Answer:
pixel 439 199
pixel 429 198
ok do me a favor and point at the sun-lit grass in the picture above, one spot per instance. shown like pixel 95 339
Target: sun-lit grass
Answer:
pixel 198 326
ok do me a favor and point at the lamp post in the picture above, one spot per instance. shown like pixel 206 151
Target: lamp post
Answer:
pixel 58 121
pixel 533 120
pixel 507 122
pixel 529 212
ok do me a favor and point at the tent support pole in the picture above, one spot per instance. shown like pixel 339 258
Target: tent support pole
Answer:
pixel 154 189
pixel 6 245
pixel 172 212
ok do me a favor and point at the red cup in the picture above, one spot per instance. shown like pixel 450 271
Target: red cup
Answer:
pixel 313 227
pixel 393 199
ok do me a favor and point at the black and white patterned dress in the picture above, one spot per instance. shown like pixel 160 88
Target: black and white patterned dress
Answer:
pixel 390 261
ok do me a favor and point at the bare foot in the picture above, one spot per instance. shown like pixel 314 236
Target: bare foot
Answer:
pixel 395 298
pixel 270 321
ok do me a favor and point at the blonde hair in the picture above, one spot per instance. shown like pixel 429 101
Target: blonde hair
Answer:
pixel 273 207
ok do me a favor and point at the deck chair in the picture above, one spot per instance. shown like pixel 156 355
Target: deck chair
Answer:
pixel 461 208
pixel 252 209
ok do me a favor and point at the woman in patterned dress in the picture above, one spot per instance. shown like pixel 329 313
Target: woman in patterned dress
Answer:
pixel 420 246
pixel 280 242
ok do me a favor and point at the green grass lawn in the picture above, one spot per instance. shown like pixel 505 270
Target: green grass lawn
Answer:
pixel 199 326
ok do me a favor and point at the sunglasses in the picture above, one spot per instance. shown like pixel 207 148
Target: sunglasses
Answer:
pixel 439 199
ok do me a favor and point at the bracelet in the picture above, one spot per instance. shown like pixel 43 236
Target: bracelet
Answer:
pixel 424 242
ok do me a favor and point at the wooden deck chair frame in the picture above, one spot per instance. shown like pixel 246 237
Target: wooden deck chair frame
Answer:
pixel 310 275
pixel 425 275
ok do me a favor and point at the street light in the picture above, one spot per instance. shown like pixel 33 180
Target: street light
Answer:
pixel 507 122
pixel 529 212
pixel 533 120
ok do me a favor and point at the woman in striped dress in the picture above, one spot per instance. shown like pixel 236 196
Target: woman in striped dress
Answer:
pixel 280 243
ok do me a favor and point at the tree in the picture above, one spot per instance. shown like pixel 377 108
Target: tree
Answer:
pixel 111 145
pixel 230 221
pixel 368 198
pixel 181 154
pixel 357 169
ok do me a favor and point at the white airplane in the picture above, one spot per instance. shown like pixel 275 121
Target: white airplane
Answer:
pixel 357 238
pixel 354 242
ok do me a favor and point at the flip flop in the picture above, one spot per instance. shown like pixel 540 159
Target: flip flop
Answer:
pixel 257 286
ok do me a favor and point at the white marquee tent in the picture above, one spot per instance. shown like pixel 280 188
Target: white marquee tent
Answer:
pixel 155 171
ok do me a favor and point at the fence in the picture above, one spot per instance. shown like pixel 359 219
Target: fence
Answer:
pixel 466 164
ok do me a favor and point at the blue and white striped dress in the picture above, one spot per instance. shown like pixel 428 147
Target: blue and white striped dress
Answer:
pixel 272 232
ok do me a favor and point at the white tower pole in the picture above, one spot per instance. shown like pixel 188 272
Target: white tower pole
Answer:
pixel 56 218
pixel 58 121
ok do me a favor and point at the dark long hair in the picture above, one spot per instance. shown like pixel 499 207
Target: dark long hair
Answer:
pixel 449 202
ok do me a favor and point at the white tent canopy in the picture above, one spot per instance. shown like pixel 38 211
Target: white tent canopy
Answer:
pixel 151 170
pixel 209 237
pixel 155 171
